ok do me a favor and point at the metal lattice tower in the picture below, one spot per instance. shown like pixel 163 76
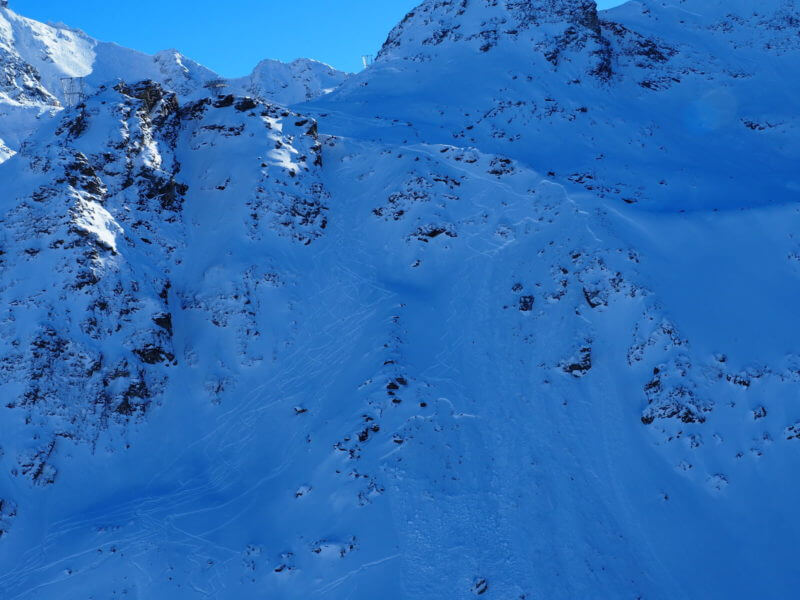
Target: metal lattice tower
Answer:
pixel 74 90
pixel 367 59
pixel 215 85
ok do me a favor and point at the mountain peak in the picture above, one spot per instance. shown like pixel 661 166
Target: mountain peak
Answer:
pixel 486 23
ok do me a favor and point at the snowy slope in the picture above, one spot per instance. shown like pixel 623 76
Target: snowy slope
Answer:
pixel 510 314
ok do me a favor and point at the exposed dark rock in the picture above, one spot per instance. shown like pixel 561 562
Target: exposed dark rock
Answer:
pixel 245 104
pixel 526 303
pixel 153 355
pixel 480 586
pixel 580 367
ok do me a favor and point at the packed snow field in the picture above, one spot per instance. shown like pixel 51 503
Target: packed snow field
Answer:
pixel 511 313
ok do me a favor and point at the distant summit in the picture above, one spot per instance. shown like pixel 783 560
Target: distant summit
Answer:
pixel 290 83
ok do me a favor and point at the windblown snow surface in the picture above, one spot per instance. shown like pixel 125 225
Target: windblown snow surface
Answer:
pixel 512 314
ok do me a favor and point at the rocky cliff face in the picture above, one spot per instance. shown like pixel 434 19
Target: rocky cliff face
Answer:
pixel 96 231
pixel 487 320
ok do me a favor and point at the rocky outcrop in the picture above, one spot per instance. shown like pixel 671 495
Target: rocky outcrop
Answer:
pixel 95 233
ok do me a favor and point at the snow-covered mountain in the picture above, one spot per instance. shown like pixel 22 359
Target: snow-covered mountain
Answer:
pixel 509 314
pixel 35 57
pixel 290 83
pixel 688 92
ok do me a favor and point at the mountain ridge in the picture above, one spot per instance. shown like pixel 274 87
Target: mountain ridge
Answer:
pixel 38 56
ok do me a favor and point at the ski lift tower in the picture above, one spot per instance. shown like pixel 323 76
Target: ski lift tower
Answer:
pixel 216 85
pixel 367 59
pixel 74 90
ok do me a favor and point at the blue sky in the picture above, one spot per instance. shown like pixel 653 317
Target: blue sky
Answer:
pixel 231 37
